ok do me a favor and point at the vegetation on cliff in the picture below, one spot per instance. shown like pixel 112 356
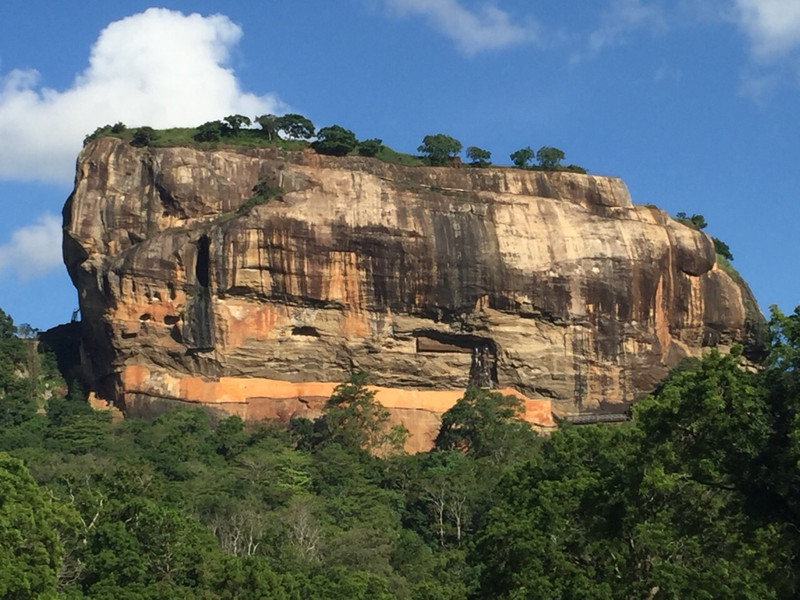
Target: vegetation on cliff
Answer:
pixel 698 496
pixel 293 132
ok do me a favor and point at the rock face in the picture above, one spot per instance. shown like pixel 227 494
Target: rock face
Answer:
pixel 550 284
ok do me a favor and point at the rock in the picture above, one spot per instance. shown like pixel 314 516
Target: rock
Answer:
pixel 553 285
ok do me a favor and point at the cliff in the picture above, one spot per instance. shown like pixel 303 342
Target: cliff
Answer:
pixel 551 285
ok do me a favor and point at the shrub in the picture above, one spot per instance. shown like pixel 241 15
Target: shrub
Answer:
pixel 335 141
pixel 143 136
pixel 370 147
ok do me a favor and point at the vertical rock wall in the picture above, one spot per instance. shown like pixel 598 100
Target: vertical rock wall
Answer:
pixel 550 284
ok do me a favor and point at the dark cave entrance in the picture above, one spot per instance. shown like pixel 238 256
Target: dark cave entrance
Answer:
pixel 202 267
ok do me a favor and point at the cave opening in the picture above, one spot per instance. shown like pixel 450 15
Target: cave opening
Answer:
pixel 201 269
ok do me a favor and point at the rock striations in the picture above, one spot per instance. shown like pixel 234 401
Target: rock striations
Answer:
pixel 552 286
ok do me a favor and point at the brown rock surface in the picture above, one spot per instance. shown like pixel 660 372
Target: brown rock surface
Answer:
pixel 550 284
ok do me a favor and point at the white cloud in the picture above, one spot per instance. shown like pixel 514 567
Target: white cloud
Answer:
pixel 487 28
pixel 34 250
pixel 622 17
pixel 773 26
pixel 158 68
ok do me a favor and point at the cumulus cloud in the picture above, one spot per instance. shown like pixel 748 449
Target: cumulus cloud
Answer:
pixel 159 68
pixel 34 250
pixel 773 26
pixel 487 28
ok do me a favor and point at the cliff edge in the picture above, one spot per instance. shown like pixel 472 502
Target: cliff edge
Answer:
pixel 553 286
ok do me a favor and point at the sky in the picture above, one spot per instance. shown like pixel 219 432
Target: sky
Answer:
pixel 693 103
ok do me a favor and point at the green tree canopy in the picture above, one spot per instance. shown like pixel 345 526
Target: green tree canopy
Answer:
pixel 335 140
pixel 439 148
pixel 296 127
pixel 354 419
pixel 143 136
pixel 522 157
pixel 31 552
pixel 236 122
pixel 270 125
pixel 486 424
pixel 479 156
pixel 370 147
pixel 212 131
pixel 549 158
pixel 697 222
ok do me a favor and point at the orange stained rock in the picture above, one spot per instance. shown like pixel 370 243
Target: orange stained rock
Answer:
pixel 226 392
pixel 250 321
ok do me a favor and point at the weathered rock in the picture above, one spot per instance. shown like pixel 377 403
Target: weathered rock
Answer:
pixel 550 284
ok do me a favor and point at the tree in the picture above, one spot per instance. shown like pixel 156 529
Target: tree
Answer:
pixel 236 122
pixel 370 147
pixel 143 136
pixel 17 392
pixel 522 157
pixel 478 156
pixel 30 549
pixel 697 222
pixel 354 419
pixel 270 125
pixel 722 249
pixel 296 127
pixel 486 424
pixel 549 158
pixel 439 148
pixel 335 140
pixel 7 328
pixel 212 131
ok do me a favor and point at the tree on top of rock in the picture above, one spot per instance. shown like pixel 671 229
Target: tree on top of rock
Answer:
pixel 335 140
pixel 479 156
pixel 296 127
pixel 522 157
pixel 549 158
pixel 236 122
pixel 439 148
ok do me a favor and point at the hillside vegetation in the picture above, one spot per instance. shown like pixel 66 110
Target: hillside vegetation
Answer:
pixel 295 132
pixel 698 496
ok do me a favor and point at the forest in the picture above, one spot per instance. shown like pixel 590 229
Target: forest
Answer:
pixel 697 496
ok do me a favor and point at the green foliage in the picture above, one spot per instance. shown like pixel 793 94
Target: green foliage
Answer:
pixel 96 134
pixel 31 552
pixel 387 154
pixel 549 158
pixel 143 136
pixel 522 157
pixel 689 500
pixel 722 249
pixel 698 496
pixel 7 327
pixel 236 122
pixel 263 191
pixel 697 222
pixel 370 147
pixel 479 156
pixel 439 148
pixel 212 131
pixel 335 140
pixel 353 419
pixel 486 424
pixel 269 126
pixel 295 127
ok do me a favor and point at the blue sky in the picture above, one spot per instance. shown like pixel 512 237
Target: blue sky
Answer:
pixel 694 103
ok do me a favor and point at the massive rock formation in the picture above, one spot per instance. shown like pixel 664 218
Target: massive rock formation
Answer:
pixel 551 285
